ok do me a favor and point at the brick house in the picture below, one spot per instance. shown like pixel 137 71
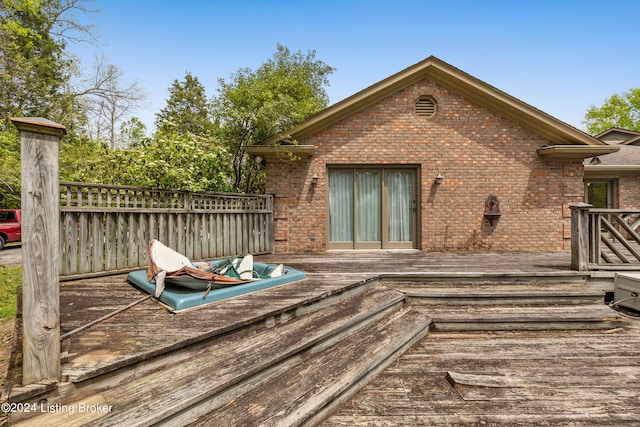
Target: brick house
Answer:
pixel 430 158
pixel 613 180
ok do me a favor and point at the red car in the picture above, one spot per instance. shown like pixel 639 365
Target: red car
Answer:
pixel 10 226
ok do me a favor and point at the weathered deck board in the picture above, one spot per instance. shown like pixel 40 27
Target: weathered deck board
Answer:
pixel 174 382
pixel 566 378
pixel 148 329
pixel 286 400
pixel 518 386
pixel 546 419
pixel 383 262
pixel 506 292
pixel 82 302
pixel 521 312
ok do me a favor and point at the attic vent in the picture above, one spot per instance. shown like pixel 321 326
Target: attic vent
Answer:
pixel 425 107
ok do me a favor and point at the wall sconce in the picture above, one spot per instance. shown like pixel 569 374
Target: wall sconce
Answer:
pixel 439 178
pixel 314 179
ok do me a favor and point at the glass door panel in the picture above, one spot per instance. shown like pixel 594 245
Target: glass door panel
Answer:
pixel 400 202
pixel 368 206
pixel 599 194
pixel 341 206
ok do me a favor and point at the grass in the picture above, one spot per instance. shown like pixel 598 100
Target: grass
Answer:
pixel 10 282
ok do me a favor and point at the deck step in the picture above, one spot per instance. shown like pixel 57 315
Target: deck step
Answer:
pixel 499 293
pixel 322 381
pixel 221 369
pixel 525 317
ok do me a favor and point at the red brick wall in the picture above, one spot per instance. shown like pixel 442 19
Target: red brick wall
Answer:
pixel 628 194
pixel 479 153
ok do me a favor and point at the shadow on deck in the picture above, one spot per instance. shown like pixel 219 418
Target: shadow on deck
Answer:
pixel 297 353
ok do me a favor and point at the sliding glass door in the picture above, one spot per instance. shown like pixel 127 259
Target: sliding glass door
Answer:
pixel 372 208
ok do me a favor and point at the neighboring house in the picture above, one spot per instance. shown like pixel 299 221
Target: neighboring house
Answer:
pixel 613 180
pixel 416 160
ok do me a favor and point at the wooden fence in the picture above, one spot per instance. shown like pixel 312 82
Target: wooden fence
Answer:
pixel 106 228
pixel 605 239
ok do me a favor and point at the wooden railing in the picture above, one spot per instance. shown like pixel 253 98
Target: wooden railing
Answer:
pixel 106 229
pixel 605 239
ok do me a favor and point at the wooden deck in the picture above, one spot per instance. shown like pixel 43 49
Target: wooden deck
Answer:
pixel 345 347
pixel 506 379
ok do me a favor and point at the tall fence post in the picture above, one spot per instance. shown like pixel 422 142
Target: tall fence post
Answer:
pixel 579 236
pixel 39 150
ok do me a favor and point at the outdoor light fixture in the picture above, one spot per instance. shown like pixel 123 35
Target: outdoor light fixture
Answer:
pixel 258 159
pixel 314 179
pixel 439 178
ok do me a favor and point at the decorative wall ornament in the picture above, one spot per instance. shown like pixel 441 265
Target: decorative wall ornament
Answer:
pixel 492 209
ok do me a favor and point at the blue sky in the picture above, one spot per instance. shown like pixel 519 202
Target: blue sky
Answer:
pixel 559 56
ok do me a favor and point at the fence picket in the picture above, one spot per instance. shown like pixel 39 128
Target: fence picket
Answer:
pixel 106 228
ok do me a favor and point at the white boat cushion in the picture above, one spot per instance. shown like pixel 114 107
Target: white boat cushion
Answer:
pixel 245 269
pixel 167 259
pixel 278 271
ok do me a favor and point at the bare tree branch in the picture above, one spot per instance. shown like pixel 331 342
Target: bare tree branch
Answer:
pixel 112 99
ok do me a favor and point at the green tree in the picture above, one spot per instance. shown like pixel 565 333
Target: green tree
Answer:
pixel 10 167
pixel 35 67
pixel 183 162
pixel 133 133
pixel 254 105
pixel 620 110
pixel 187 110
pixel 80 158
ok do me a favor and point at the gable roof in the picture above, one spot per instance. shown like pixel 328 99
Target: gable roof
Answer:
pixel 633 141
pixel 564 138
pixel 619 136
pixel 624 162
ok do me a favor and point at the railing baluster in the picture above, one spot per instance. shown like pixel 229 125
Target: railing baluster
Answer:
pixel 613 242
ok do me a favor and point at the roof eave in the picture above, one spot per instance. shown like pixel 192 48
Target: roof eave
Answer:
pixel 557 131
pixel 285 153
pixel 575 152
pixel 608 171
